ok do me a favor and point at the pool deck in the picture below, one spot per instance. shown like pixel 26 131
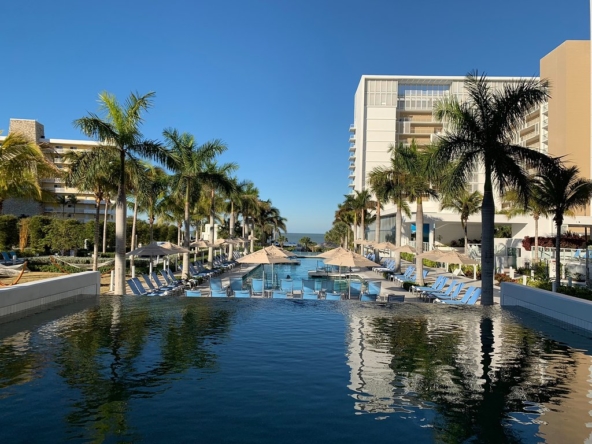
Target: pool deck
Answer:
pixel 387 287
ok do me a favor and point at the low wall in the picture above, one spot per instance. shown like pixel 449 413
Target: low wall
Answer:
pixel 31 297
pixel 567 309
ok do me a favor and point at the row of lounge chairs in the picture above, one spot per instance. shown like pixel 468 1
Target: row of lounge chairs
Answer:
pixel 156 287
pixel 451 295
pixel 9 258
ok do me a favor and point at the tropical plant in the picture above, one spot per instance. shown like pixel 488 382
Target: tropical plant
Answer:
pixel 306 242
pixel 63 201
pixel 479 133
pixel 73 200
pixel 561 190
pixel 92 171
pixel 465 204
pixel 119 131
pixel 190 163
pixel 417 186
pixel 22 165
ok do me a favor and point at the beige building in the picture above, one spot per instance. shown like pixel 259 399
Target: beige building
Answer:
pixel 84 209
pixel 567 67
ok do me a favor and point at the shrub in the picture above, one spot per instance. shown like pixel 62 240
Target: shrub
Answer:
pixel 407 285
pixel 9 232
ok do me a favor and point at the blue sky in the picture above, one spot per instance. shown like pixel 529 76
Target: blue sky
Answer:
pixel 273 79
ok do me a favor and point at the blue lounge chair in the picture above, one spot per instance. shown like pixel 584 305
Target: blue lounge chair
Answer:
pixel 216 284
pixel 368 297
pixel 193 293
pixel 436 286
pixel 450 294
pixel 355 290
pixel 145 292
pixel 308 285
pixel 333 296
pixel 236 284
pixel 410 269
pixel 256 287
pixel 310 295
pixel 286 286
pixel 161 286
pixel 296 286
pixel 242 294
pixel 218 293
pixel 471 300
pixel 277 294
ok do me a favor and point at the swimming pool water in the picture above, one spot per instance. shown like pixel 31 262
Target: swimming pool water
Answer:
pixel 138 369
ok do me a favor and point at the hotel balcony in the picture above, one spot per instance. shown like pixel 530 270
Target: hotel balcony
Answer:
pixel 352 128
pixel 530 137
pixel 352 148
pixel 352 157
pixel 352 138
pixel 352 175
pixel 352 166
pixel 351 185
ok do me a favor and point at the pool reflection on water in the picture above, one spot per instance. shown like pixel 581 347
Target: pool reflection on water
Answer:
pixel 156 369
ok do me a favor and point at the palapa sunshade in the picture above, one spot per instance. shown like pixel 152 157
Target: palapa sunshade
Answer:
pixel 350 259
pixel 455 257
pixel 263 257
pixel 363 242
pixel 277 251
pixel 405 249
pixel 432 255
pixel 330 253
pixel 385 246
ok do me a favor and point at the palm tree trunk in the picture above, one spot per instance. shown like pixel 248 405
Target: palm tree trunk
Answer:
pixel 134 221
pixel 185 272
pixel 377 234
pixel 558 222
pixel 120 231
pixel 487 225
pixel 362 228
pixel 419 241
pixel 465 226
pixel 398 231
pixel 211 249
pixel 97 233
pixel 107 200
pixel 536 239
pixel 231 223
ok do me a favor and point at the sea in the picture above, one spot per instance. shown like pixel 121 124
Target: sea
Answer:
pixel 319 238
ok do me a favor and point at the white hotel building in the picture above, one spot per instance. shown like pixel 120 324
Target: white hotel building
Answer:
pixel 389 110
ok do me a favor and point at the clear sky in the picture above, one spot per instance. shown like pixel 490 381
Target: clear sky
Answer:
pixel 274 79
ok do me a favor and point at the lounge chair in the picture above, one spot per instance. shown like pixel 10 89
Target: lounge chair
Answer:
pixel 424 294
pixel 389 268
pixel 436 286
pixel 449 295
pixel 278 294
pixel 310 295
pixel 236 284
pixel 473 298
pixel 145 292
pixel 242 294
pixel 297 286
pixel 333 296
pixel 410 269
pixel 286 286
pixel 193 293
pixel 161 286
pixel 257 288
pixel 355 290
pixel 372 292
pixel 218 293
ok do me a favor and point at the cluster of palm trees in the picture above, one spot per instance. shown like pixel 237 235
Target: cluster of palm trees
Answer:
pixel 479 135
pixel 178 180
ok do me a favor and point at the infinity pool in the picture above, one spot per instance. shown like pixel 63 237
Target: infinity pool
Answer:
pixel 137 369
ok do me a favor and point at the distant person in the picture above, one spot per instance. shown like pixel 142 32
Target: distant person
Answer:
pixel 288 277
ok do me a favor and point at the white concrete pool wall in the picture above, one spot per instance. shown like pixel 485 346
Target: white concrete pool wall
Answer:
pixel 567 309
pixel 35 296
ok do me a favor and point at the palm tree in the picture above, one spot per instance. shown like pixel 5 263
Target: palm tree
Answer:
pixel 73 200
pixel 417 186
pixel 464 203
pixel 532 208
pixel 361 202
pixel 119 131
pixel 561 191
pixel 91 171
pixel 480 132
pixel 63 201
pixel 190 163
pixel 388 182
pixel 22 164
pixel 345 215
pixel 249 202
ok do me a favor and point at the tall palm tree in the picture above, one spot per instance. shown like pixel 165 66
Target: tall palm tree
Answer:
pixel 152 191
pixel 234 205
pixel 73 200
pixel 249 202
pixel 388 182
pixel 532 208
pixel 418 186
pixel 345 215
pixel 190 163
pixel 480 132
pixel 464 203
pixel 91 171
pixel 561 191
pixel 360 202
pixel 119 130
pixel 22 165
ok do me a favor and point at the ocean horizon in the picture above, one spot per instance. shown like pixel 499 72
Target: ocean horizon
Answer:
pixel 319 238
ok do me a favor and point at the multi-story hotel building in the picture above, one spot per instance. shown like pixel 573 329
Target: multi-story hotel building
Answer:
pixel 84 209
pixel 393 110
